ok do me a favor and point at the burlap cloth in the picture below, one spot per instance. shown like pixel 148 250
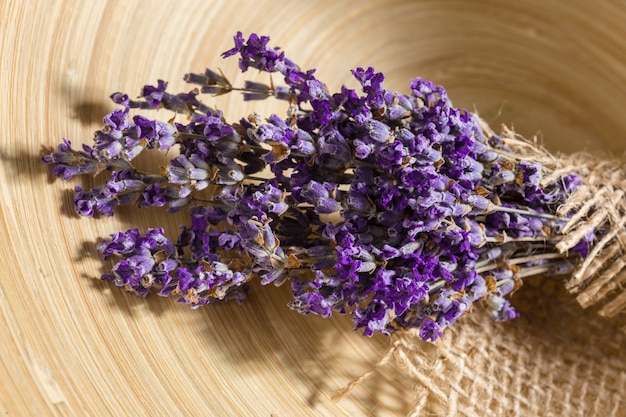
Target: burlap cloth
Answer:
pixel 555 360
pixel 565 355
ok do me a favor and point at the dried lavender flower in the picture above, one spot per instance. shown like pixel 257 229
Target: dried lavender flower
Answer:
pixel 433 213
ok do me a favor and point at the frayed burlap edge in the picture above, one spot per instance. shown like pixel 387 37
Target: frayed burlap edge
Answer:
pixel 599 204
pixel 558 358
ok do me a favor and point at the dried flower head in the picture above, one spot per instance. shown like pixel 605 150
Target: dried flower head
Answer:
pixel 398 209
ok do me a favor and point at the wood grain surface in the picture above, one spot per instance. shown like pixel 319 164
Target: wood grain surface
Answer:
pixel 73 345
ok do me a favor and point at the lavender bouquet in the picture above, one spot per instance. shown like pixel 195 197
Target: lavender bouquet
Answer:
pixel 400 210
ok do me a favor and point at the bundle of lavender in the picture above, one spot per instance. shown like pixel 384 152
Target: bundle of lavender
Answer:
pixel 400 210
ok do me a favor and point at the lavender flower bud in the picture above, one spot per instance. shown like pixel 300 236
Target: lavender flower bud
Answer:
pixel 429 213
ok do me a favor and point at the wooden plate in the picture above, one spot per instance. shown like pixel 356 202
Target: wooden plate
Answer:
pixel 73 345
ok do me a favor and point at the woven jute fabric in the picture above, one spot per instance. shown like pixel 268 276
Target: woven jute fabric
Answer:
pixel 566 353
pixel 555 360
pixel 597 208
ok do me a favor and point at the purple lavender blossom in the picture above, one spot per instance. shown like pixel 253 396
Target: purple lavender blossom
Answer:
pixel 431 216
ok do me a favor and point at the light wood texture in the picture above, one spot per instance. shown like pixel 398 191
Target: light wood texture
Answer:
pixel 72 345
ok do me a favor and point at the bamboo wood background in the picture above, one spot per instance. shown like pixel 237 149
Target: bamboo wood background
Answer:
pixel 73 345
